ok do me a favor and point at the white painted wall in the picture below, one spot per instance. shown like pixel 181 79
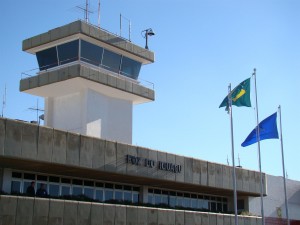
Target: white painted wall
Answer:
pixel 91 113
pixel 274 202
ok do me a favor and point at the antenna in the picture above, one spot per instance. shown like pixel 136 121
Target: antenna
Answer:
pixel 37 109
pixel 99 13
pixel 227 161
pixel 85 10
pixel 4 101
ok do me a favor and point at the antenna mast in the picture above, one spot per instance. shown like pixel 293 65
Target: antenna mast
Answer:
pixel 86 11
pixel 4 101
pixel 37 109
pixel 99 13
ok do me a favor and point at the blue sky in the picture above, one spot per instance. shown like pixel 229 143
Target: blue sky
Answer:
pixel 200 47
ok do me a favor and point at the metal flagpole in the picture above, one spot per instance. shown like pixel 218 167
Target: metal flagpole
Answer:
pixel 283 168
pixel 259 155
pixel 233 161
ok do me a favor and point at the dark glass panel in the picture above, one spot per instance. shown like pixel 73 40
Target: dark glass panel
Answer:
pixel 77 181
pixel 41 177
pixel 88 183
pixel 54 179
pixel 111 61
pixel 29 176
pixel 135 198
pixel 16 174
pixel 68 52
pixel 54 190
pixel 91 53
pixel 15 187
pixel 99 195
pixel 127 196
pixel 135 188
pixel 77 190
pixel 65 190
pixel 47 58
pixel 89 192
pixel 130 68
pixel 98 184
pixel 66 180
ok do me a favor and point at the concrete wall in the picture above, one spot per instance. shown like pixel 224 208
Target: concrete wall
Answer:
pixel 42 144
pixel 97 76
pixel 274 203
pixel 90 31
pixel 32 211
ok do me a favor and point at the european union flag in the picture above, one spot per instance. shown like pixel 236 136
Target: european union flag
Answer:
pixel 267 130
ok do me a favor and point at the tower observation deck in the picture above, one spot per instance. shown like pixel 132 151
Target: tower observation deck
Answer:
pixel 89 80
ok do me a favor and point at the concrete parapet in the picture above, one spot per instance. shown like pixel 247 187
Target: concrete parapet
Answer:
pixel 56 212
pixel 97 214
pixel 98 154
pixel 29 140
pixel 8 207
pixel 73 146
pixel 110 156
pixel 84 213
pixel 59 152
pixel 24 212
pixel 45 144
pixel 16 210
pixel 40 212
pixel 13 138
pixel 86 151
pixel 109 214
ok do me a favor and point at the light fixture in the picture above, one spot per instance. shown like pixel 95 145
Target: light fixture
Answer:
pixel 148 32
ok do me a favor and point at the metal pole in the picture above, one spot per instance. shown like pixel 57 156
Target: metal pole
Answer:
pixel 232 153
pixel 99 13
pixel 259 155
pixel 120 25
pixel 86 11
pixel 283 168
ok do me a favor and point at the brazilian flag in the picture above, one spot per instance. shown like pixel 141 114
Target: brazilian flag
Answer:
pixel 240 95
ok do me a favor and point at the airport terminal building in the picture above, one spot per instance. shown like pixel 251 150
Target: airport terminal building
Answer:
pixel 84 155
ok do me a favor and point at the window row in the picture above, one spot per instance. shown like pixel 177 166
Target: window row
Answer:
pixel 89 53
pixel 60 186
pixel 187 200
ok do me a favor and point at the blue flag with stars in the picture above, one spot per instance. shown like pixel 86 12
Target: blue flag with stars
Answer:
pixel 267 130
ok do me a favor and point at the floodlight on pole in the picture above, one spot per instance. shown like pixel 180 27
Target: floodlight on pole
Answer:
pixel 148 32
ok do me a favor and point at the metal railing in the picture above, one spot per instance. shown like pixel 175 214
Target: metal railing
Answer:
pixel 101 68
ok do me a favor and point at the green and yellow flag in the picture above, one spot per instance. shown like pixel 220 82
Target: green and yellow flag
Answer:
pixel 240 95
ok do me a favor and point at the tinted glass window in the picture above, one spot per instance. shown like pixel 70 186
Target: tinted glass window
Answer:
pixel 130 68
pixel 111 61
pixel 65 190
pixel 91 53
pixel 47 58
pixel 15 186
pixel 54 189
pixel 99 195
pixel 89 192
pixel 68 52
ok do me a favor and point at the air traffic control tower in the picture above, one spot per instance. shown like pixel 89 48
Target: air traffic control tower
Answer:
pixel 89 80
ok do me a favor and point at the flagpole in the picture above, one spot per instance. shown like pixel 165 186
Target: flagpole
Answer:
pixel 283 168
pixel 259 155
pixel 232 152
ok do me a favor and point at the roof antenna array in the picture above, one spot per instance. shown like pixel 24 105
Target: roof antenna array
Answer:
pixel 85 10
pixel 37 109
